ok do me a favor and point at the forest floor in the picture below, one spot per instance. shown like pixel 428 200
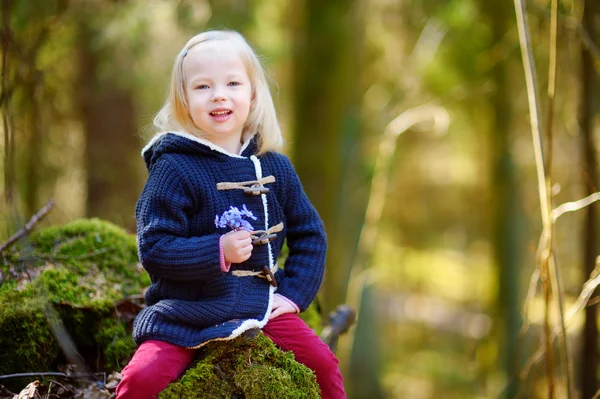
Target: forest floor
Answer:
pixel 65 388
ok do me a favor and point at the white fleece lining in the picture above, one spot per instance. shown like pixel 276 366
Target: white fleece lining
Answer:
pixel 259 175
pixel 253 323
pixel 206 142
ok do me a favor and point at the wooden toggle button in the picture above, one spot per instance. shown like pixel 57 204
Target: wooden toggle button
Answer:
pixel 256 190
pixel 269 276
pixel 264 239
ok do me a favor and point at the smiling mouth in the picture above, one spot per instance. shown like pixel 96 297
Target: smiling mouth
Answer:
pixel 221 113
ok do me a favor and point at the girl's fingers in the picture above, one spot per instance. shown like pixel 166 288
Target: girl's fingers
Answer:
pixel 245 251
pixel 278 309
pixel 275 313
pixel 240 234
pixel 243 243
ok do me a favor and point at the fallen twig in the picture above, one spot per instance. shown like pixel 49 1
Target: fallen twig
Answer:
pixel 47 374
pixel 29 226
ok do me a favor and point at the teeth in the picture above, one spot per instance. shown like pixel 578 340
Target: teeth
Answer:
pixel 220 112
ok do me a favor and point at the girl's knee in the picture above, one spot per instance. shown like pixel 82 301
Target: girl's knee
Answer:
pixel 152 368
pixel 143 382
pixel 329 377
pixel 323 361
pixel 147 376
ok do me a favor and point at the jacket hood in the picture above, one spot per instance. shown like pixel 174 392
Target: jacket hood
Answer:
pixel 185 143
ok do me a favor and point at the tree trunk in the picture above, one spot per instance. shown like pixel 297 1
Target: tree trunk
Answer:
pixel 9 141
pixel 507 213
pixel 112 143
pixel 34 143
pixel 591 247
pixel 230 14
pixel 326 84
pixel 365 363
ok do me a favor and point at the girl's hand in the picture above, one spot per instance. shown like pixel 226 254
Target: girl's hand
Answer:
pixel 280 306
pixel 237 246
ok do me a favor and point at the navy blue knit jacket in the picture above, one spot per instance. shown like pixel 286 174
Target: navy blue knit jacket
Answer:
pixel 191 301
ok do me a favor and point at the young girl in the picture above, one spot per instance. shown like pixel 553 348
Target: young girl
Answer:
pixel 217 150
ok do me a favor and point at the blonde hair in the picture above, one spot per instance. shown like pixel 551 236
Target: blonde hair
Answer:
pixel 261 121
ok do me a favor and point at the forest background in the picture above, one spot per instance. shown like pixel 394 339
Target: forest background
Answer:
pixel 433 234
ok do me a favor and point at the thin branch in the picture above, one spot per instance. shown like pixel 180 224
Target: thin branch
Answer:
pixel 47 373
pixel 556 287
pixel 29 226
pixel 551 260
pixel 575 205
pixel 534 108
pixel 587 290
pixel 41 374
pixel 377 197
pixel 573 24
pixel 533 281
pixel 549 280
pixel 582 300
pixel 379 184
pixel 587 40
pixel 549 277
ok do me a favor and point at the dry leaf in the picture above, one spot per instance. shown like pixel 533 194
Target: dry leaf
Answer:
pixel 30 391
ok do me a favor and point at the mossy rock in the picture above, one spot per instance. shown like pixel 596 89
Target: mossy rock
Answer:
pixel 77 272
pixel 246 367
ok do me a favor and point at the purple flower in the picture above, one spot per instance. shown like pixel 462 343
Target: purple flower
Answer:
pixel 234 218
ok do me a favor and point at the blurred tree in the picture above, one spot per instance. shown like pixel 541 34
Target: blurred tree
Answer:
pixel 8 87
pixel 591 246
pixel 231 14
pixel 108 114
pixel 363 380
pixel 506 208
pixel 327 89
pixel 27 106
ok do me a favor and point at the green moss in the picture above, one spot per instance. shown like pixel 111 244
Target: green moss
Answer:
pixel 82 269
pixel 25 338
pixel 244 368
pixel 91 240
pixel 117 343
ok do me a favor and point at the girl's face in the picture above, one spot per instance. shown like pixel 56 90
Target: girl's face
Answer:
pixel 219 93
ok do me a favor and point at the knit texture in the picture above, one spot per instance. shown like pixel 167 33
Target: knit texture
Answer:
pixel 192 300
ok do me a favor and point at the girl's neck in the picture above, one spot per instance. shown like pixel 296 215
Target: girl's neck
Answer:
pixel 233 145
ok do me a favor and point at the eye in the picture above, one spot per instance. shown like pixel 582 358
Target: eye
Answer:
pixel 233 84
pixel 201 87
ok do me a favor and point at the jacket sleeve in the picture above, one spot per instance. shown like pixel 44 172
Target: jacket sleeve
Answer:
pixel 304 268
pixel 165 248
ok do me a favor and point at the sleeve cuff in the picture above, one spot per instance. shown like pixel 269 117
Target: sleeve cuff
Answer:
pixel 224 265
pixel 290 302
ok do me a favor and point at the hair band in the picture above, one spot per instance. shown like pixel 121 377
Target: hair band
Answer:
pixel 184 53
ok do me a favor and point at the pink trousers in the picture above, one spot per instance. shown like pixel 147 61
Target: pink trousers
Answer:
pixel 155 364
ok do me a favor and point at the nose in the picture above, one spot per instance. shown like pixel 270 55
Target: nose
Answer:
pixel 218 95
